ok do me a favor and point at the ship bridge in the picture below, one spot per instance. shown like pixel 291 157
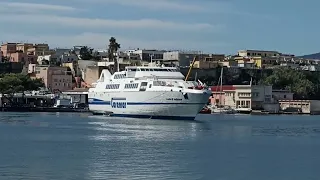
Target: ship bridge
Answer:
pixel 159 72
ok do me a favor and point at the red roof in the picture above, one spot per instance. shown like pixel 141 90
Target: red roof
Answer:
pixel 224 88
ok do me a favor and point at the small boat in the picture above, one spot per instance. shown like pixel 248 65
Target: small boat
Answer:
pixel 205 110
pixel 222 110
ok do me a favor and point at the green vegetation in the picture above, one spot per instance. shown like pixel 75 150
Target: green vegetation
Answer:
pixel 86 53
pixel 112 50
pixel 304 84
pixel 295 81
pixel 18 83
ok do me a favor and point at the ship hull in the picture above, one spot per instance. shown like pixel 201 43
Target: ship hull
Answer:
pixel 149 104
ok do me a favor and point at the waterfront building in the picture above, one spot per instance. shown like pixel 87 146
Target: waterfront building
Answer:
pixel 242 96
pixel 302 106
pixel 77 95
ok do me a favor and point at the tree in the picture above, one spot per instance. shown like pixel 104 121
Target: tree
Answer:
pixel 292 80
pixel 86 53
pixel 112 50
pixel 96 56
pixel 18 83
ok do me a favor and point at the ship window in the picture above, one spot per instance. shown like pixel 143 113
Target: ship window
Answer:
pixel 143 69
pixel 131 86
pixel 112 86
pixel 159 83
pixel 119 76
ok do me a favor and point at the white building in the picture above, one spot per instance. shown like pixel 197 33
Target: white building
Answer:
pixel 248 53
pixel 63 58
pixel 302 106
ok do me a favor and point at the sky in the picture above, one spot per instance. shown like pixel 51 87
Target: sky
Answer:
pixel 211 26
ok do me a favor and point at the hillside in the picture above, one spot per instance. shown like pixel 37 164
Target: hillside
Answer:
pixel 312 56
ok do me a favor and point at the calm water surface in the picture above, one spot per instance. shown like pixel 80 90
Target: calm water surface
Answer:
pixel 79 146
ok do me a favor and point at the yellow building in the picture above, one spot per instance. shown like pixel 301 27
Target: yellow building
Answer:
pixel 256 61
pixel 205 64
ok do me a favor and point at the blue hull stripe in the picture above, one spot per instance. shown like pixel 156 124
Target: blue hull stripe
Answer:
pixel 136 103
pixel 94 101
pixel 153 117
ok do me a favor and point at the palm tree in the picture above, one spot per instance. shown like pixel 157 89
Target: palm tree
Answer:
pixel 112 50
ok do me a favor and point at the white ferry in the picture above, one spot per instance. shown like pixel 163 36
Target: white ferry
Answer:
pixel 147 92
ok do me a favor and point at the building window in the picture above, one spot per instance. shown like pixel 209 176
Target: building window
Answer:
pixel 244 94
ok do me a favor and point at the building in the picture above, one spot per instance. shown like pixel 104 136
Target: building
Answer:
pixel 20 52
pixel 184 58
pixel 257 61
pixel 147 54
pixel 23 47
pixel 282 95
pixel 242 96
pixel 61 51
pixel 77 95
pixel 229 63
pixel 8 48
pixel 245 62
pixel 301 106
pixel 22 57
pixel 215 57
pixel 39 49
pixel 205 64
pixel 92 74
pixel 55 78
pixel 248 53
pixel 62 58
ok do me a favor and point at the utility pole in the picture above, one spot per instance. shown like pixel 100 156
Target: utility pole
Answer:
pixel 151 57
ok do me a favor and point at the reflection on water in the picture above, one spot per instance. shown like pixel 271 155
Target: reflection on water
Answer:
pixel 74 146
pixel 142 129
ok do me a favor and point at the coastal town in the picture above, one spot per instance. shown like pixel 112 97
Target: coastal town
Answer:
pixel 250 81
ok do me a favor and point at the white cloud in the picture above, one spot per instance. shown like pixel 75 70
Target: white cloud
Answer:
pixel 88 23
pixel 156 4
pixel 32 7
pixel 100 41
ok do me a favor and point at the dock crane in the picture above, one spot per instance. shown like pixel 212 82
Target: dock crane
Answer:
pixel 190 68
